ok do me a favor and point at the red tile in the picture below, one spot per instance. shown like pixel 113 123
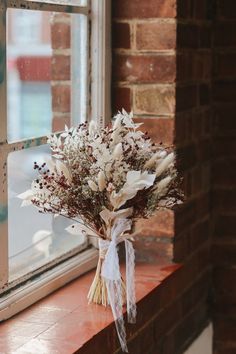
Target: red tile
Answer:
pixel 38 314
pixel 81 325
pixel 41 346
pixel 18 328
pixel 10 344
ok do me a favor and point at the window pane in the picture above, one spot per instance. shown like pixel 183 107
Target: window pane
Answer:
pixel 46 68
pixel 34 238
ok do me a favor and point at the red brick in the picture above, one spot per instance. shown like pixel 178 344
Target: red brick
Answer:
pixel 224 298
pixel 224 146
pixel 191 324
pixel 186 97
pixel 198 290
pixel 58 123
pixel 159 225
pixel 225 330
pixel 224 280
pixel 185 71
pixel 204 150
pixel 138 344
pixel 223 254
pixel 61 98
pixel 193 66
pixel 184 9
pixel 200 9
pixel 121 99
pixel 199 234
pixel 121 37
pixel 184 217
pixel 195 128
pixel 224 310
pixel 184 127
pixel 224 119
pixel 141 69
pixel 156 36
pixel 224 173
pixel 181 247
pixel 204 95
pixel 224 34
pixel 224 65
pixel 60 35
pixel 225 348
pixel 225 226
pixel 156 100
pixel 167 318
pixel 205 36
pixel 227 9
pixel 159 130
pixel 202 66
pixel 225 199
pixel 60 67
pixel 180 130
pixel 186 157
pixel 196 180
pixel 144 9
pixel 188 36
pixel 153 250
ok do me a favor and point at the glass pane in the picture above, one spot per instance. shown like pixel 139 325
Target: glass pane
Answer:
pixel 46 72
pixel 34 238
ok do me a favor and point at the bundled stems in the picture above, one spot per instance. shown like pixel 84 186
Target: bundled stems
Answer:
pixel 98 292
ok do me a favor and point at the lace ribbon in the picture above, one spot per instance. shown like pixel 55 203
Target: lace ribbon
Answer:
pixel 112 276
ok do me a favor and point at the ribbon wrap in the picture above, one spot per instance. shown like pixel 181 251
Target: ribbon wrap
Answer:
pixel 112 276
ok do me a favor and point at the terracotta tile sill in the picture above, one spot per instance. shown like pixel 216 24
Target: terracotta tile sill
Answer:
pixel 64 323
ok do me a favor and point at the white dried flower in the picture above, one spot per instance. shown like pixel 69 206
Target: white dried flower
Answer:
pixel 118 151
pixel 161 186
pixel 115 136
pixel 92 127
pixel 93 185
pixel 117 123
pixel 165 164
pixel 152 161
pixel 101 181
pixel 26 197
pixel 110 187
pixel 62 169
pixel 135 181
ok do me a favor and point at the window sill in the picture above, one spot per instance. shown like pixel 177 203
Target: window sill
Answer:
pixel 63 322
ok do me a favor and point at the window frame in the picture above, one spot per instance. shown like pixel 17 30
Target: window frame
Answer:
pixel 22 295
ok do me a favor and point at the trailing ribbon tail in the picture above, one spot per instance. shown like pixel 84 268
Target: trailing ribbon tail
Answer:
pixel 111 274
pixel 130 286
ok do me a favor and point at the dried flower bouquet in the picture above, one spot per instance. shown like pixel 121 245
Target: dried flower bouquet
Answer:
pixel 104 179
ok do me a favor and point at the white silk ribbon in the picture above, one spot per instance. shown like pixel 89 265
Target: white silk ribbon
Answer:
pixel 112 276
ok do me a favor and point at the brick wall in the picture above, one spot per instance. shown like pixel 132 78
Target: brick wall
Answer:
pixel 224 178
pixel 60 70
pixel 162 62
pixel 144 74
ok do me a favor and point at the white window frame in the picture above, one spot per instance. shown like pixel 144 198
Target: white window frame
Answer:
pixel 16 297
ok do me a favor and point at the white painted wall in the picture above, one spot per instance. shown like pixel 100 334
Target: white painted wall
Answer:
pixel 203 344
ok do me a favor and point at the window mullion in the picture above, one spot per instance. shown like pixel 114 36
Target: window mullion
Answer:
pixel 47 6
pixel 27 143
pixel 3 218
pixel 101 61
pixel 3 84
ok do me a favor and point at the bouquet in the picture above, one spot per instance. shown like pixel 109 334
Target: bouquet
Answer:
pixel 104 179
